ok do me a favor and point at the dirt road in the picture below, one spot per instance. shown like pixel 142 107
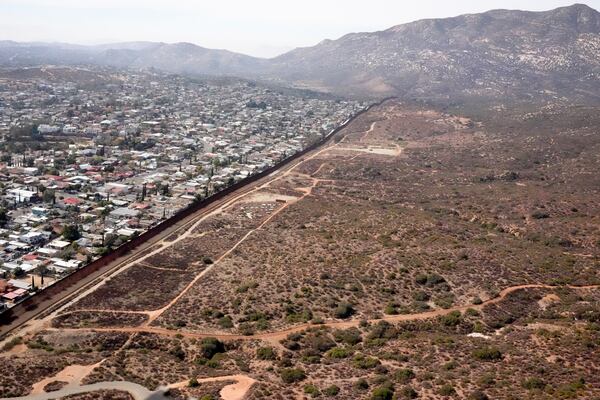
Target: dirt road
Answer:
pixel 282 334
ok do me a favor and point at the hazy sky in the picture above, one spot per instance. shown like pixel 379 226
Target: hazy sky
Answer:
pixel 257 27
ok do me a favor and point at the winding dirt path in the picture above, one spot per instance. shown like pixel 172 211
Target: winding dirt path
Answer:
pixel 371 128
pixel 282 334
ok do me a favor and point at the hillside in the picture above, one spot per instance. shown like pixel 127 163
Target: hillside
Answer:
pixel 185 58
pixel 492 54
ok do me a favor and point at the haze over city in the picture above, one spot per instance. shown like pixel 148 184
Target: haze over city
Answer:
pixel 263 28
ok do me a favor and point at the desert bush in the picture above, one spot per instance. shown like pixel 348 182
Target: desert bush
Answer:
pixel 319 342
pixel 404 375
pixel 291 375
pixel 383 393
pixel 471 312
pixel 570 390
pixel 361 384
pixel 350 336
pixel 311 390
pixel 210 346
pixel 487 354
pixel 225 322
pixel 362 362
pixel 12 343
pixel 452 319
pixel 382 330
pixel 533 383
pixel 343 310
pixel 390 309
pixel 339 352
pixel 478 395
pixel 446 390
pixel 408 392
pixel 331 391
pixel 178 352
pixel 421 296
pixel 266 353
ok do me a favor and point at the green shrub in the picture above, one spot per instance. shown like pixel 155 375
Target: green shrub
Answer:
pixel 452 319
pixel 390 309
pixel 383 393
pixel 343 310
pixel 339 352
pixel 570 390
pixel 350 336
pixel 421 295
pixel 331 391
pixel 383 330
pixel 445 300
pixel 193 383
pixel 434 279
pixel 266 353
pixel 291 375
pixel 247 286
pixel 225 322
pixel 487 354
pixel 362 362
pixel 450 365
pixel 311 390
pixel 12 343
pixel 533 383
pixel 210 346
pixel 447 390
pixel 471 312
pixel 404 375
pixel 478 395
pixel 361 384
pixel 178 352
pixel 319 342
pixel 408 393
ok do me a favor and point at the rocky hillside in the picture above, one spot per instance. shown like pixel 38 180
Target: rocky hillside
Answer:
pixel 492 54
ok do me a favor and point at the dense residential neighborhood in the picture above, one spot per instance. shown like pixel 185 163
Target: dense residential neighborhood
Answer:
pixel 91 158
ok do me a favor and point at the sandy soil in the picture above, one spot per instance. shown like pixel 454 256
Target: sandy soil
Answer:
pixel 72 374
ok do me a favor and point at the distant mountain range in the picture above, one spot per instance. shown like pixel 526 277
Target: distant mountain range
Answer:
pixel 497 54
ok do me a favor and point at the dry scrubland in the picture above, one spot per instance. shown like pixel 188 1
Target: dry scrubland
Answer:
pixel 409 211
pixel 453 220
